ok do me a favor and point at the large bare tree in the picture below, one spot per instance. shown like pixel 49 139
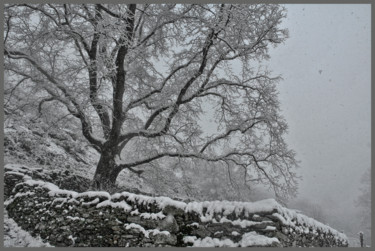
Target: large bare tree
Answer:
pixel 139 78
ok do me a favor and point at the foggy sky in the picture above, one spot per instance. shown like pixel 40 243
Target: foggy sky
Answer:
pixel 325 97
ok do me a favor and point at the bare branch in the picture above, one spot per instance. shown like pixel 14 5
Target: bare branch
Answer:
pixel 230 131
pixel 86 127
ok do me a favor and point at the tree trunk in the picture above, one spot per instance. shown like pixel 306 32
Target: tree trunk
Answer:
pixel 106 173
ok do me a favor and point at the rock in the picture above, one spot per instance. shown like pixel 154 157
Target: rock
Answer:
pixel 285 230
pixel 161 238
pixel 169 224
pixel 90 220
pixel 173 210
pixel 147 223
pixel 201 232
pixel 134 231
pixel 128 236
pixel 281 236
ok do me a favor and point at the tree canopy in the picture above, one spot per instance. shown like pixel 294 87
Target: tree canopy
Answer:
pixel 139 79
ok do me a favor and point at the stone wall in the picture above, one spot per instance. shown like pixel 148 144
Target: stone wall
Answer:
pixel 98 219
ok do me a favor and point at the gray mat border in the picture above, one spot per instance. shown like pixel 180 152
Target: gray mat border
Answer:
pixel 187 1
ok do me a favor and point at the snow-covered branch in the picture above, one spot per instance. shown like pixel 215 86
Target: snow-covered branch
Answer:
pixel 86 127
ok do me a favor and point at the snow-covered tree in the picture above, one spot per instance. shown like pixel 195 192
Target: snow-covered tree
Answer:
pixel 138 76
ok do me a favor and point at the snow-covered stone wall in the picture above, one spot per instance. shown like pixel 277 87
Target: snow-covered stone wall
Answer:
pixel 68 218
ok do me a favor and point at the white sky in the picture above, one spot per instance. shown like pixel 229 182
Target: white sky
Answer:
pixel 325 97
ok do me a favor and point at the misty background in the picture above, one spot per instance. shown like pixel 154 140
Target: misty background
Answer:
pixel 325 97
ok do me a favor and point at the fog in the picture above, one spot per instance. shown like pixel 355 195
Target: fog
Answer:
pixel 325 97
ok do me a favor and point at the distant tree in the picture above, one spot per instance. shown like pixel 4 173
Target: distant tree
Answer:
pixel 137 77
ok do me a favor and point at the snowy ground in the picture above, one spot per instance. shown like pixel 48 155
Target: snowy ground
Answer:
pixel 14 236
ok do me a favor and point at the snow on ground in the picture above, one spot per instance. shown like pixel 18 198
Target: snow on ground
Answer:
pixel 14 236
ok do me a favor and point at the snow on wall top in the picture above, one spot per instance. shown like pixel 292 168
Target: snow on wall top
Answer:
pixel 205 209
